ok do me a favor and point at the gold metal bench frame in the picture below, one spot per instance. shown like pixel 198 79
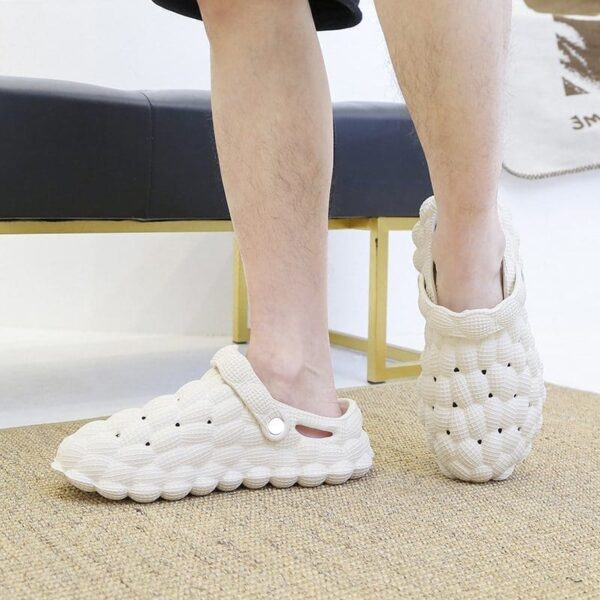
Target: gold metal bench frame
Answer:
pixel 375 345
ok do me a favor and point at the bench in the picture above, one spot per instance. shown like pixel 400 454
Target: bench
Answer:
pixel 77 158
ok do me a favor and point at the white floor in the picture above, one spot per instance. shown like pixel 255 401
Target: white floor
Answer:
pixel 50 376
pixel 59 376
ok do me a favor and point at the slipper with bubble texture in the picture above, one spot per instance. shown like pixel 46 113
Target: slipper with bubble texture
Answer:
pixel 481 388
pixel 219 432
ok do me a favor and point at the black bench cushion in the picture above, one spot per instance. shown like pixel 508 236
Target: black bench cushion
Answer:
pixel 77 151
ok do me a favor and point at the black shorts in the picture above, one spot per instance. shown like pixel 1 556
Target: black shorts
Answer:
pixel 328 14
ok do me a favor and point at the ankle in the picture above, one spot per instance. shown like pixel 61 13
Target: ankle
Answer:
pixel 282 368
pixel 468 255
pixel 301 379
pixel 474 241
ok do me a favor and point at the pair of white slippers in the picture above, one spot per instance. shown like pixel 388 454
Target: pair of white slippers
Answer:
pixel 481 394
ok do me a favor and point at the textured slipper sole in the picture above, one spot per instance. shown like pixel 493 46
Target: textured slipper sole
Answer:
pixel 258 477
pixel 481 387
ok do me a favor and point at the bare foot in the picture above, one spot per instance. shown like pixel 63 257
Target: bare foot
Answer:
pixel 468 253
pixel 305 383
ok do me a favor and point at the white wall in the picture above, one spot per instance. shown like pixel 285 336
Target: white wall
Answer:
pixel 166 283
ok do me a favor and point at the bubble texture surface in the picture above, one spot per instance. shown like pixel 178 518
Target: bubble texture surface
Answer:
pixel 481 389
pixel 205 437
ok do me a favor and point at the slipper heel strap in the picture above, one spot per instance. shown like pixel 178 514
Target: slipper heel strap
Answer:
pixel 237 372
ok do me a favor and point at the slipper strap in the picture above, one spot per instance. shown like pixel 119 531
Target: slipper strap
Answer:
pixel 238 373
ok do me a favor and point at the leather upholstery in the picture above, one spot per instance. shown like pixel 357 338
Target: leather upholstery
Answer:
pixel 78 151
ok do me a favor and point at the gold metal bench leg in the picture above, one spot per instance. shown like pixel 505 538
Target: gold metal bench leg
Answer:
pixel 241 332
pixel 378 276
pixel 377 347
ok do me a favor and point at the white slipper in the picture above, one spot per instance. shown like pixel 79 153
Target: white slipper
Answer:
pixel 221 431
pixel 481 387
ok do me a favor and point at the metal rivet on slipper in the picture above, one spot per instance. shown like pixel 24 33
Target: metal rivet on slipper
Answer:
pixel 276 426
